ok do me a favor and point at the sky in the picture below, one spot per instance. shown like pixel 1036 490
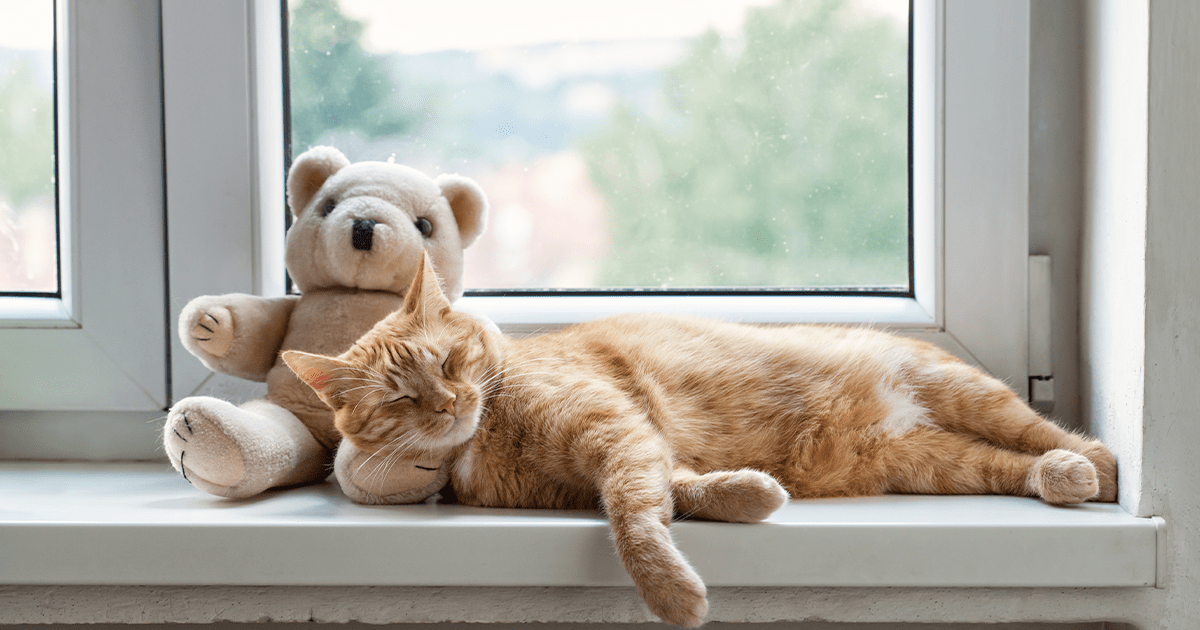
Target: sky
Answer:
pixel 481 24
pixel 491 24
pixel 27 25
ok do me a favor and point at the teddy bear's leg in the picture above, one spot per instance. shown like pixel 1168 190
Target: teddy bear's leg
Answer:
pixel 238 452
pixel 377 479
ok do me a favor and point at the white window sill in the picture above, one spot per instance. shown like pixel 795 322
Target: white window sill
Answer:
pixel 117 524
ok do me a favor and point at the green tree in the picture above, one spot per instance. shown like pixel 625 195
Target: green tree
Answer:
pixel 335 84
pixel 779 159
pixel 26 136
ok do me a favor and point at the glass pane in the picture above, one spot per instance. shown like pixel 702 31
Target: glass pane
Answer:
pixel 28 225
pixel 633 143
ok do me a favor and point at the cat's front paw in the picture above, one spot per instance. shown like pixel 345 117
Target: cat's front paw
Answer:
pixel 1061 477
pixel 210 329
pixel 735 496
pixel 678 598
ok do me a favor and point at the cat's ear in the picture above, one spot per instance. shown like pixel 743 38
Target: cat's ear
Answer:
pixel 425 298
pixel 321 373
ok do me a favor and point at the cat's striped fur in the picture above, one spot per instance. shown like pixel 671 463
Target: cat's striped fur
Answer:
pixel 651 416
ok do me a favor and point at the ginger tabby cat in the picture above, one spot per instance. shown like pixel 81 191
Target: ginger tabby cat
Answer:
pixel 649 416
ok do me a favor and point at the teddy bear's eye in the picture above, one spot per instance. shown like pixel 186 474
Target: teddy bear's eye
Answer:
pixel 330 204
pixel 425 226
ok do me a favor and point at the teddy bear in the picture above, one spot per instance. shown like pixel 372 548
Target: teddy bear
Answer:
pixel 358 237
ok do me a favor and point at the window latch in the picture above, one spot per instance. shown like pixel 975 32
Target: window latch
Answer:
pixel 1041 363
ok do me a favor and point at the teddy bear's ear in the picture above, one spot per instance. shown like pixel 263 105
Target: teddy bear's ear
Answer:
pixel 309 171
pixel 320 373
pixel 468 203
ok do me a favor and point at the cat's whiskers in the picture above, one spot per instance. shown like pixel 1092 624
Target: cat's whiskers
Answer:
pixel 367 369
pixel 391 455
pixel 373 386
pixel 395 452
pixel 490 379
pixel 382 390
pixel 352 378
pixel 364 463
pixel 500 366
pixel 385 465
pixel 509 386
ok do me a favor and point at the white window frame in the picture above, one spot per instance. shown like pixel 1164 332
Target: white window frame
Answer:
pixel 222 72
pixel 101 346
pixel 222 135
pixel 971 117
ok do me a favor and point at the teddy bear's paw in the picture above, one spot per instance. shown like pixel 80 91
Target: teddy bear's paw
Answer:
pixel 211 329
pixel 378 479
pixel 201 449
pixel 238 452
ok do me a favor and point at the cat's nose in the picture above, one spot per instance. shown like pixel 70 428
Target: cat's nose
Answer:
pixel 447 406
pixel 362 234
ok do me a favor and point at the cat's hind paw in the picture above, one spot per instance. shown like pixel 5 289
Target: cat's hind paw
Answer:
pixel 1061 477
pixel 1106 470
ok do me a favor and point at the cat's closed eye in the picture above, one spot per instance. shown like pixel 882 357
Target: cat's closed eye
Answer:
pixel 397 397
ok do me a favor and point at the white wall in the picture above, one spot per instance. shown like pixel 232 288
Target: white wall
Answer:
pixel 1170 483
pixel 1140 299
pixel 1114 232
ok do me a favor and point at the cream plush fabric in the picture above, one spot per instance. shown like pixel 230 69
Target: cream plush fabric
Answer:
pixel 357 240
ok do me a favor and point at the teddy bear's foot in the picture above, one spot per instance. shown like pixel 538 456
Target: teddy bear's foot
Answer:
pixel 238 452
pixel 378 479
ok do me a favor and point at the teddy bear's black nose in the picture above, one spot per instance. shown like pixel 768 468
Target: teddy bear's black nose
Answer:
pixel 363 234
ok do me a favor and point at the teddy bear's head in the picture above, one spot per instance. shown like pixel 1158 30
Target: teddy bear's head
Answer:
pixel 365 225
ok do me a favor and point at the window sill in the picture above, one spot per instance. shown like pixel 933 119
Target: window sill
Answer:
pixel 118 524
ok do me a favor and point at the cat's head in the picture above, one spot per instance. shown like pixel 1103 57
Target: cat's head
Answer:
pixel 414 383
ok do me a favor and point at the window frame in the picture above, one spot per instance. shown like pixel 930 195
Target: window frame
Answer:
pixel 221 60
pixel 970 197
pixel 101 345
pixel 221 97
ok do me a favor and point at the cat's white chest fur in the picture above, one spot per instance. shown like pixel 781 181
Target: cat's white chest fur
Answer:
pixel 903 413
pixel 464 469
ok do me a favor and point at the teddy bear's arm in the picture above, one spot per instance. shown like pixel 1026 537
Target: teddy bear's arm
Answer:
pixel 236 333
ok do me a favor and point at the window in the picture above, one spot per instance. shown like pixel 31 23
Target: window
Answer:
pixel 970 170
pixel 104 343
pixel 664 145
pixel 28 212
pixel 959 220
pixel 97 342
